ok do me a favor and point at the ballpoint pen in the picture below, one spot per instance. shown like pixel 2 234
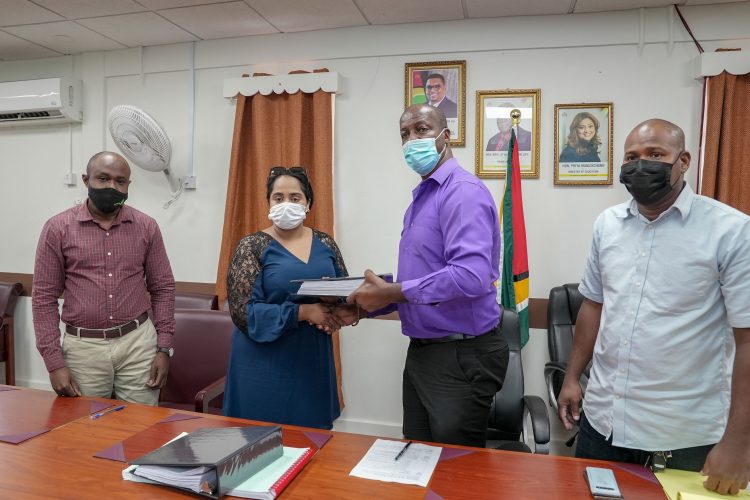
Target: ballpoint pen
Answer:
pixel 400 453
pixel 110 410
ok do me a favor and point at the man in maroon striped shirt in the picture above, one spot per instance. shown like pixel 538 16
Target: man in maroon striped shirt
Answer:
pixel 109 261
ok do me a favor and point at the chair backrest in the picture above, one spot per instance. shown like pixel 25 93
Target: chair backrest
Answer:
pixel 9 293
pixel 191 300
pixel 202 342
pixel 506 413
pixel 562 311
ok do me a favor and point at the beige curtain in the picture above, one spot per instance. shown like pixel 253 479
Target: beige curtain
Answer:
pixel 284 130
pixel 725 175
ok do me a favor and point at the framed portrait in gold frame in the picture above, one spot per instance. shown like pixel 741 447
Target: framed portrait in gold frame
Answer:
pixel 493 132
pixel 441 84
pixel 583 144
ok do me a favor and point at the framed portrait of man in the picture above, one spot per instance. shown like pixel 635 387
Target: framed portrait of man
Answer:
pixel 583 144
pixel 443 85
pixel 493 132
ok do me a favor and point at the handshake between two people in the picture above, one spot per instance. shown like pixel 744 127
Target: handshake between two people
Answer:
pixel 373 294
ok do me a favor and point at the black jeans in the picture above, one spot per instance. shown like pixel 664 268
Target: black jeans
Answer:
pixel 591 444
pixel 448 388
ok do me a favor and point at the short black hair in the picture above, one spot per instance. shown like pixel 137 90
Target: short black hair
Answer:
pixel 298 174
pixel 434 75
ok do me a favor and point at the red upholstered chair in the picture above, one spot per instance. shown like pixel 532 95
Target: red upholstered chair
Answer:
pixel 198 369
pixel 190 300
pixel 9 293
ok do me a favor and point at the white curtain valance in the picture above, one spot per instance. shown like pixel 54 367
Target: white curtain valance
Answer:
pixel 735 62
pixel 290 84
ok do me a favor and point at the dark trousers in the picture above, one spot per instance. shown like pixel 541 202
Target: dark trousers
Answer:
pixel 448 388
pixel 593 445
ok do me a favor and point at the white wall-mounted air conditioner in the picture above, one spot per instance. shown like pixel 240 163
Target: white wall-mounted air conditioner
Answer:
pixel 40 102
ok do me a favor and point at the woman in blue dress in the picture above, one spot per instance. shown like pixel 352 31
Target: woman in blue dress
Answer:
pixel 281 367
pixel 583 141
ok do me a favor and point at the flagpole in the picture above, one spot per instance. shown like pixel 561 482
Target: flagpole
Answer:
pixel 515 267
pixel 515 115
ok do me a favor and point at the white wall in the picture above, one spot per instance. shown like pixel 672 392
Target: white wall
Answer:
pixel 580 58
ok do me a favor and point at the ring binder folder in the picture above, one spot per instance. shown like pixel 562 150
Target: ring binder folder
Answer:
pixel 234 453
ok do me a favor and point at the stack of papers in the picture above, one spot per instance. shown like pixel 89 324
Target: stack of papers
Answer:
pixel 197 479
pixel 686 485
pixel 333 287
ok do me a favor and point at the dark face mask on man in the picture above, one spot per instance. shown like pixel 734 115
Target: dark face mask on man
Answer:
pixel 647 180
pixel 107 200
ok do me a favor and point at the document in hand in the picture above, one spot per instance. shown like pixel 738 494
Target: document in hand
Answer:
pixel 333 287
pixel 212 461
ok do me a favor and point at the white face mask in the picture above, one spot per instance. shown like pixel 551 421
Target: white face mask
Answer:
pixel 287 215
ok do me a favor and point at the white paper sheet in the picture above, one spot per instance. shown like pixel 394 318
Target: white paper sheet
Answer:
pixel 415 466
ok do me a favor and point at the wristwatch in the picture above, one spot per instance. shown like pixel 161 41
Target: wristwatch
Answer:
pixel 169 351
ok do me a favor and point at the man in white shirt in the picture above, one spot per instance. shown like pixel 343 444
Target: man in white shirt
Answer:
pixel 666 309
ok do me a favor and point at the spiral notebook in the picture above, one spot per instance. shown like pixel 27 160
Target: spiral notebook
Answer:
pixel 271 481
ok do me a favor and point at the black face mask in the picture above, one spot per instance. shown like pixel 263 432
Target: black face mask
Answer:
pixel 646 180
pixel 107 200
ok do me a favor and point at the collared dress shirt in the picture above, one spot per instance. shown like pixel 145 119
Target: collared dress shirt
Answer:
pixel 672 289
pixel 449 256
pixel 106 277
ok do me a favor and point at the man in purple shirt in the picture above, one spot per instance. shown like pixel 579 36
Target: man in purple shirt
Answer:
pixel 445 291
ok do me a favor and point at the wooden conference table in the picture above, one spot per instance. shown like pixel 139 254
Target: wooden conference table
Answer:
pixel 61 462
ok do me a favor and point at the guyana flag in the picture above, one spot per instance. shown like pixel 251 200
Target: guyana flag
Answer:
pixel 514 292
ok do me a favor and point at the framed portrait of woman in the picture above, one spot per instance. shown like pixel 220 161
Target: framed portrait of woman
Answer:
pixel 494 130
pixel 442 85
pixel 583 144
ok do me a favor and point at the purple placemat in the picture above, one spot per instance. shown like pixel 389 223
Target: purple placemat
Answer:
pixel 431 495
pixel 4 388
pixel 115 452
pixel 19 438
pixel 638 470
pixel 449 453
pixel 319 438
pixel 176 417
pixel 97 406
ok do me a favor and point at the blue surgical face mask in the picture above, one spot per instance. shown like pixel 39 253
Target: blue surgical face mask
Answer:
pixel 421 154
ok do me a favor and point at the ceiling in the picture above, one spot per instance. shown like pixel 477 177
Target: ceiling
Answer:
pixel 47 28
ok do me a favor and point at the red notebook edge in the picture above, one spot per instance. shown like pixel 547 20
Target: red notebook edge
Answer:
pixel 292 472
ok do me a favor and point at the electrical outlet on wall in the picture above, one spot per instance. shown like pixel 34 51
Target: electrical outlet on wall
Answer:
pixel 190 181
pixel 69 179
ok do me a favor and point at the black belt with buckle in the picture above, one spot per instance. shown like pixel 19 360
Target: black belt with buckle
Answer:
pixel 107 333
pixel 453 337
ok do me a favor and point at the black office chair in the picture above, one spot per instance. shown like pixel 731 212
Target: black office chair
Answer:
pixel 511 410
pixel 562 311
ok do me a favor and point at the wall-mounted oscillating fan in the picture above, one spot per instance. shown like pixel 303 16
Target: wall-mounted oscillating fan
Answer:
pixel 143 142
